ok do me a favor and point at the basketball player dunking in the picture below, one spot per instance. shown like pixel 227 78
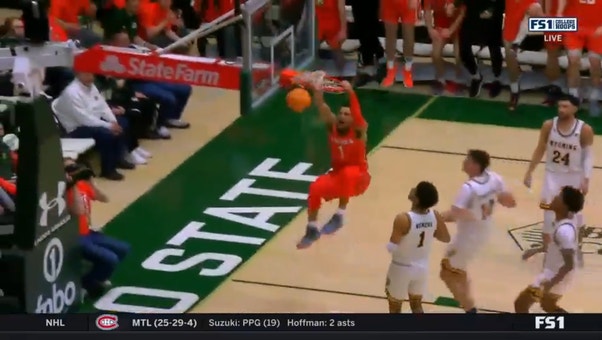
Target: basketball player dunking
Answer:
pixel 410 248
pixel 349 175
pixel 561 257
pixel 567 143
pixel 472 211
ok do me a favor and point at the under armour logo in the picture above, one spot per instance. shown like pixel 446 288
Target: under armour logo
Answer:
pixel 57 202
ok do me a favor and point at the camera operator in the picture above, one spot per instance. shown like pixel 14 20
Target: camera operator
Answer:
pixel 104 252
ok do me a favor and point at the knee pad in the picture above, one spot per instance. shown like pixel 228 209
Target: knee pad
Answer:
pixel 548 222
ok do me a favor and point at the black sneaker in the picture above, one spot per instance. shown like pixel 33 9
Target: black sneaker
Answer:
pixel 475 87
pixel 123 164
pixel 513 101
pixel 361 79
pixel 113 176
pixel 438 88
pixel 553 93
pixel 495 89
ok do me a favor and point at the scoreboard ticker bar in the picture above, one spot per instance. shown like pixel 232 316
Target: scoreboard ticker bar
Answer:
pixel 301 322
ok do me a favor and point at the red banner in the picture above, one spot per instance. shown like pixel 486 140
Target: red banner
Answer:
pixel 195 71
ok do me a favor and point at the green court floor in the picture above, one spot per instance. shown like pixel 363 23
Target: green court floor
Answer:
pixel 195 227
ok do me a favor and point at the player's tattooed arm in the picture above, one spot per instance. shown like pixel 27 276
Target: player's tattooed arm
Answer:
pixel 326 113
pixel 441 232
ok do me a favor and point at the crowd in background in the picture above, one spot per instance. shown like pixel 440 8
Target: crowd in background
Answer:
pixel 496 24
pixel 116 113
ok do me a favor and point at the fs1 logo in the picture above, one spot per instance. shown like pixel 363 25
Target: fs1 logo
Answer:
pixel 107 322
pixel 62 297
pixel 548 25
pixel 549 322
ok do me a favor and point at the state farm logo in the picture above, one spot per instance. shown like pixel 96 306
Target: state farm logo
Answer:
pixel 530 236
pixel 112 64
pixel 158 69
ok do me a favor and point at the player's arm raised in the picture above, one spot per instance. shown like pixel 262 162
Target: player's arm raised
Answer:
pixel 326 113
pixel 401 227
pixel 359 122
pixel 459 210
pixel 587 141
pixel 441 233
pixel 539 151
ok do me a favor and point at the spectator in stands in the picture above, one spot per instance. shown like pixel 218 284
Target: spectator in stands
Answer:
pixel 126 20
pixel 392 13
pixel 12 28
pixel 482 25
pixel 70 14
pixel 84 113
pixel 160 25
pixel 208 11
pixel 442 29
pixel 172 98
pixel 366 19
pixel 104 252
pixel 123 102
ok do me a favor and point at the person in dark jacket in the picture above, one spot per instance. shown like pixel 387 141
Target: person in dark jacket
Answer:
pixel 482 26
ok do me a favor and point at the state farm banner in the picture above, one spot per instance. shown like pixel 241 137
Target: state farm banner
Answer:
pixel 133 64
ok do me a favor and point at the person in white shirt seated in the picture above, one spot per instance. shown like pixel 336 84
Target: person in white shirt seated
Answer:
pixel 84 113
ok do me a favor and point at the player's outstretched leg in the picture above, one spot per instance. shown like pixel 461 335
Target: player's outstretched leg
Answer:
pixel 336 221
pixel 319 190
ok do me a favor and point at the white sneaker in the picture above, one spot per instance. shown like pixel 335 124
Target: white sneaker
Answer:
pixel 163 132
pixel 136 159
pixel 142 152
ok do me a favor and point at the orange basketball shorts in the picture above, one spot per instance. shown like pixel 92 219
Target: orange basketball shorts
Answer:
pixel 584 38
pixel 395 11
pixel 328 32
pixel 513 18
pixel 345 182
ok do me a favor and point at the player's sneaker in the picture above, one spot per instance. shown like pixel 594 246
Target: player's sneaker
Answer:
pixel 553 93
pixel 408 79
pixel 333 225
pixel 475 87
pixel 390 77
pixel 513 101
pixel 438 88
pixel 312 234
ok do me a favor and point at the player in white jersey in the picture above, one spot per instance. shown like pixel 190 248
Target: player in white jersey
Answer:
pixel 410 248
pixel 472 211
pixel 567 143
pixel 559 265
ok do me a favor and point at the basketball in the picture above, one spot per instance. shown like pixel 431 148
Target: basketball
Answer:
pixel 298 99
